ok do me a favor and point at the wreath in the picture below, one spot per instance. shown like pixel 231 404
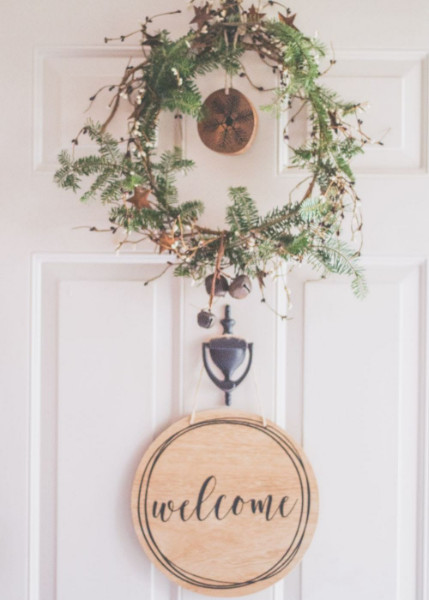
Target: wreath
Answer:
pixel 139 186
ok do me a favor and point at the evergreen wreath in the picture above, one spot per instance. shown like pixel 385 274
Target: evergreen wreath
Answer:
pixel 140 188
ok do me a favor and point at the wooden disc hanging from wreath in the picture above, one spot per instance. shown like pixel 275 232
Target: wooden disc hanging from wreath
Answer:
pixel 225 505
pixel 229 122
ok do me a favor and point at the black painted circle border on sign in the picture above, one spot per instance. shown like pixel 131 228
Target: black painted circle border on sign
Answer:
pixel 290 553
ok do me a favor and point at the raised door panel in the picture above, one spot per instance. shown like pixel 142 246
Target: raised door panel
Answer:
pixel 363 407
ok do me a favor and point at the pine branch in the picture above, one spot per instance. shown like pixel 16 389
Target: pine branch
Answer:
pixel 242 215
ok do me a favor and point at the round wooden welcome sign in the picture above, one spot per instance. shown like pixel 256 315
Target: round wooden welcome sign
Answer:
pixel 225 506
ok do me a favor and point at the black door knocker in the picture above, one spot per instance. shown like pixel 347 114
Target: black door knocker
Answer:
pixel 227 353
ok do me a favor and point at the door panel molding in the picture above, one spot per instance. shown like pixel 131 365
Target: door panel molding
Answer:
pixel 294 403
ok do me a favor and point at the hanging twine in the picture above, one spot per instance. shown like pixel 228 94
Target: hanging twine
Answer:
pixel 225 36
pixel 195 398
pixel 178 129
pixel 259 400
pixel 216 271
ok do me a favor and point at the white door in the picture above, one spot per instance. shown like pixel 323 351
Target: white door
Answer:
pixel 94 364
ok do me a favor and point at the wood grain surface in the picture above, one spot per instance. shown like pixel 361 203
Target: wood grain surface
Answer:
pixel 225 506
pixel 230 122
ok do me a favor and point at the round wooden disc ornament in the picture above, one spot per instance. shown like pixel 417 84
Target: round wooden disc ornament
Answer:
pixel 225 506
pixel 230 122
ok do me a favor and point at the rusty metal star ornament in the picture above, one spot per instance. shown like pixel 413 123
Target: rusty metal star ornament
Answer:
pixel 253 16
pixel 140 198
pixel 202 15
pixel 152 40
pixel 288 20
pixel 165 242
